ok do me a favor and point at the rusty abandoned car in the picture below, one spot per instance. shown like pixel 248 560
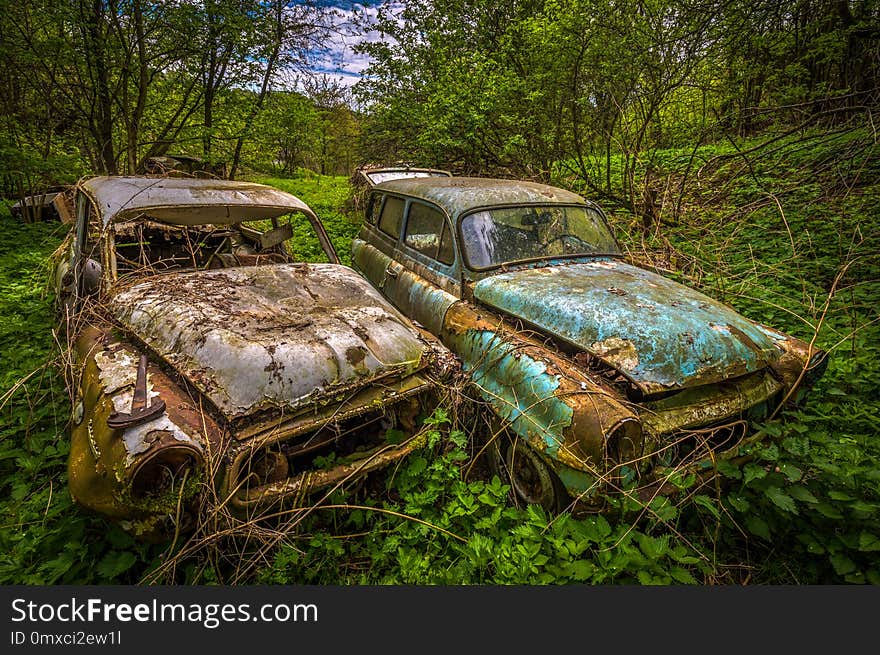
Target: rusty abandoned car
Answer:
pixel 202 352
pixel 600 375
pixel 368 176
pixel 54 205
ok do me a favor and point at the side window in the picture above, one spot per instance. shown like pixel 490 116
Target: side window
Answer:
pixel 373 208
pixel 426 232
pixel 392 214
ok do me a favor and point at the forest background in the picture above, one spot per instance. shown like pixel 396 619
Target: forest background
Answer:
pixel 733 143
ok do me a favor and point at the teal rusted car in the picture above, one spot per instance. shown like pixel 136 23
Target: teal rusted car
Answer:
pixel 599 375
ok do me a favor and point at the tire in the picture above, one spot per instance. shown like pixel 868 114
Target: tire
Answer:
pixel 531 480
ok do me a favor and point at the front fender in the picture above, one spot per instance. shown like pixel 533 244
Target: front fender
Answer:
pixel 134 475
pixel 572 419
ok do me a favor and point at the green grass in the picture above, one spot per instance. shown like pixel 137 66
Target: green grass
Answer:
pixel 44 538
pixel 326 196
pixel 806 510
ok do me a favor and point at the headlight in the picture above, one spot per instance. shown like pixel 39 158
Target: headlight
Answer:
pixel 626 442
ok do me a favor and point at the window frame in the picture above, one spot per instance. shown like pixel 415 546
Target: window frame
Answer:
pixel 401 225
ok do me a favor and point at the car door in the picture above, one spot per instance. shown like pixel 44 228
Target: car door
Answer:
pixel 375 247
pixel 428 282
pixel 418 269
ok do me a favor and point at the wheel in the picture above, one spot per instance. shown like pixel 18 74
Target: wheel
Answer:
pixel 531 480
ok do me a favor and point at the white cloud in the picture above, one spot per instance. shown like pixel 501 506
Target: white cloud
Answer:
pixel 337 59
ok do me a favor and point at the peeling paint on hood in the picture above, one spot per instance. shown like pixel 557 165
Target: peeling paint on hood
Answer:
pixel 269 337
pixel 660 334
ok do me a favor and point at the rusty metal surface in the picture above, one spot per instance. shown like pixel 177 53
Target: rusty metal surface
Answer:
pixel 708 404
pixel 105 464
pixel 308 427
pixel 459 195
pixel 605 369
pixel 188 201
pixel 660 334
pixel 557 407
pixel 270 337
pixel 180 376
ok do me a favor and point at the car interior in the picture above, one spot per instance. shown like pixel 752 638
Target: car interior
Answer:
pixel 150 245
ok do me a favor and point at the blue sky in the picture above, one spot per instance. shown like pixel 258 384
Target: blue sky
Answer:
pixel 338 60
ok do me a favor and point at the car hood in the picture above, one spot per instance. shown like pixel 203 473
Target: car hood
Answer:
pixel 658 333
pixel 270 337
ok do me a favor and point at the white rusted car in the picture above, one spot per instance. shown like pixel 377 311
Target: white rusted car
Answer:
pixel 205 358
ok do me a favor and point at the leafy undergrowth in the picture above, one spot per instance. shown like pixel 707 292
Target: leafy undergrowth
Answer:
pixel 803 510
pixel 438 528
pixel 789 236
pixel 44 538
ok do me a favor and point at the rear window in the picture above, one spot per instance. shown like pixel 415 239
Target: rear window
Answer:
pixel 392 214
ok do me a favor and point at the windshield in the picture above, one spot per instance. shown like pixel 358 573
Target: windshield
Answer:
pixel 146 247
pixel 508 234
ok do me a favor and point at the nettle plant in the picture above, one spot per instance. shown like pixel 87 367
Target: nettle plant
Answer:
pixel 440 527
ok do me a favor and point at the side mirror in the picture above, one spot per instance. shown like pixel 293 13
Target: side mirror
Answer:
pixel 91 277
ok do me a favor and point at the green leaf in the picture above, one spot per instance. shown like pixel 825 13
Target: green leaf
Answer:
pixel 842 564
pixel 769 453
pixel 119 538
pixel 728 470
pixel 664 508
pixel 580 570
pixel 781 499
pixel 595 526
pixel 753 472
pixel 802 494
pixel 869 542
pixel 738 503
pixel 757 526
pixel 646 578
pixel 792 472
pixel 813 546
pixel 115 563
pixel 773 429
pixel 682 575
pixel 828 510
pixel 416 465
pixel 653 547
pixel 709 504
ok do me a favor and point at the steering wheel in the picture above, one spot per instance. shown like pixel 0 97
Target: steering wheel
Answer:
pixel 559 237
pixel 214 256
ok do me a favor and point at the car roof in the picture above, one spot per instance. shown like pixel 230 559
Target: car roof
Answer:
pixel 459 195
pixel 188 201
